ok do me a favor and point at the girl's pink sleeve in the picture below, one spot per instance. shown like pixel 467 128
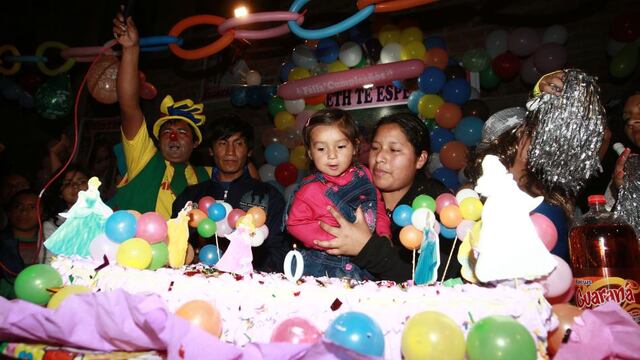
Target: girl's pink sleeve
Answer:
pixel 304 217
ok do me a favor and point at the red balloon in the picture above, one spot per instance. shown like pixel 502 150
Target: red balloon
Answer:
pixel 205 202
pixel 454 155
pixel 286 174
pixel 437 57
pixel 448 115
pixel 233 217
pixel 148 91
pixel 506 65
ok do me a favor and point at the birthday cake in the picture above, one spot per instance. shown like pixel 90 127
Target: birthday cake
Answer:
pixel 251 306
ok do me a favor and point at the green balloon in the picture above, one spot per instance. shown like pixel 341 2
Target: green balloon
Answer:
pixel 206 228
pixel 424 201
pixel 362 63
pixel 159 256
pixel 32 283
pixel 54 98
pixel 623 64
pixel 488 78
pixel 500 337
pixel 276 104
pixel 476 59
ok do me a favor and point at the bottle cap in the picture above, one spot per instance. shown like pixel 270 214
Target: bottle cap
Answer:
pixel 596 199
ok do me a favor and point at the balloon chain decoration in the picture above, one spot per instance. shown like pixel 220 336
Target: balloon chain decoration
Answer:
pixel 383 6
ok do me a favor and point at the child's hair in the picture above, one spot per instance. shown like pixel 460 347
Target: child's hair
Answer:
pixel 332 117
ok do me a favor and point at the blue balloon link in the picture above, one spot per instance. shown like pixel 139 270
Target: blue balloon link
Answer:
pixel 328 31
pixel 158 43
pixel 25 58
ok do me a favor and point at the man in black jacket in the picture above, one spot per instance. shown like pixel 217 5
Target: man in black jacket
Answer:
pixel 231 145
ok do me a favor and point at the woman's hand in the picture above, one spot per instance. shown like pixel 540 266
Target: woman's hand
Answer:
pixel 350 238
pixel 618 171
pixel 125 31
pixel 552 83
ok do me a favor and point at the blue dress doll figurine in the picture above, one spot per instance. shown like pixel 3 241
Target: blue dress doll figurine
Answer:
pixel 84 221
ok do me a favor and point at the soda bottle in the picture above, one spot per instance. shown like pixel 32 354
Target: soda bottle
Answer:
pixel 605 258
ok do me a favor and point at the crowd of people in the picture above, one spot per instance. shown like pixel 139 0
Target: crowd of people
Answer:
pixel 341 215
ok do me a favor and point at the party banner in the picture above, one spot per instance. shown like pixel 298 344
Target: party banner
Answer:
pixel 362 98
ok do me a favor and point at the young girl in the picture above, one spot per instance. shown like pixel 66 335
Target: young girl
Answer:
pixel 331 140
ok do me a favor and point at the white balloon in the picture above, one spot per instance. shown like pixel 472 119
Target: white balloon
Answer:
pixel 465 193
pixel 434 162
pixel 390 53
pixel 423 218
pixel 253 78
pixel 267 172
pixel 555 34
pixel 497 42
pixel 304 56
pixel 101 245
pixel 350 54
pixel 223 228
pixel 259 236
pixel 294 106
pixel 614 47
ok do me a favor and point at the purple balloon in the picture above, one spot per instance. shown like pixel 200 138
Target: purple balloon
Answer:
pixel 550 57
pixel 523 41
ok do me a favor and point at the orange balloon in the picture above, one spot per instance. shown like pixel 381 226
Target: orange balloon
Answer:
pixel 101 79
pixel 195 216
pixel 454 155
pixel 202 314
pixel 450 216
pixel 566 315
pixel 259 216
pixel 411 237
pixel 315 100
pixel 135 213
pixel 448 115
pixel 191 254
pixel 437 57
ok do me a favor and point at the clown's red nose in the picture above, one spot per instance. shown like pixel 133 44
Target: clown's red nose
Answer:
pixel 173 136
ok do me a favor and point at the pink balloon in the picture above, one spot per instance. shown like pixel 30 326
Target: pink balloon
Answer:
pixel 528 72
pixel 302 118
pixel 152 227
pixel 260 17
pixel 296 331
pixel 550 57
pixel 445 199
pixel 205 202
pixel 292 138
pixel 523 41
pixel 233 217
pixel 546 230
pixel 463 228
pixel 559 281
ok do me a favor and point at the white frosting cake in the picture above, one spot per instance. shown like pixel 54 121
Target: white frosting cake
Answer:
pixel 252 306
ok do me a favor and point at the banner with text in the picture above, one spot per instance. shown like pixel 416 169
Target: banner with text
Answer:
pixel 361 98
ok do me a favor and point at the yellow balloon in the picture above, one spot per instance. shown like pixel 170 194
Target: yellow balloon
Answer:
pixel 388 34
pixel 298 73
pixel 474 238
pixel 410 34
pixel 432 335
pixel 413 50
pixel 298 157
pixel 284 120
pixel 428 106
pixel 337 66
pixel 471 208
pixel 135 253
pixel 64 293
pixel 314 108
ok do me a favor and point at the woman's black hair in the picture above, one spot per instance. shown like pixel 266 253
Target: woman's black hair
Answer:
pixel 414 129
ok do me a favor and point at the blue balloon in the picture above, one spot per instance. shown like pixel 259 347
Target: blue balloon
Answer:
pixel 435 42
pixel 440 136
pixel 254 96
pixel 456 91
pixel 328 31
pixel 217 212
pixel 208 255
pixel 120 226
pixel 448 177
pixel 360 33
pixel 414 99
pixel 402 215
pixel 239 96
pixel 398 84
pixel 358 332
pixel 284 70
pixel 268 91
pixel 469 130
pixel 327 51
pixel 276 154
pixel 431 80
pixel 447 233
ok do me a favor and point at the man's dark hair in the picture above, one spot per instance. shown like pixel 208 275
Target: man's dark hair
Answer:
pixel 228 125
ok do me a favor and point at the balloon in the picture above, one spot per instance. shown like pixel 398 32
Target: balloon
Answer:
pixel 432 335
pixel 101 246
pixel 208 255
pixel 216 212
pixel 402 215
pixel 410 237
pixel 292 137
pixel 151 227
pixel 159 256
pixel 62 294
pixel 623 64
pixel 191 254
pixel 298 157
pixel 447 232
pixel 435 42
pixel 276 154
pixel 202 314
pixel 389 34
pixel 443 200
pixel 120 226
pixel 296 330
pixel 431 80
pixel 564 298
pixel 450 216
pixel 284 119
pixel 253 78
pixel 413 50
pixel 446 176
pixel 422 218
pixel 423 201
pixel 259 216
pixel 195 216
pixel 298 73
pixel 414 99
pixel 500 337
pixel 350 54
pixel 625 27
pixel 506 66
pixel 134 253
pixel 497 42
pixel 433 162
pixel 613 47
pixel 466 193
pixel 476 59
pixel 358 332
pixel 233 217
pixel 567 315
pixel 258 237
pixel 327 51
pixel 550 57
pixel 32 283
pixel 238 96
pixel 207 227
pixel 439 137
pixel 302 118
pixel 254 96
pixel 456 91
pixel 337 66
pixel 223 228
pixel 267 172
pixel 410 34
pixel 488 79
pixel 528 72
pixel 53 98
pixel 285 68
pixel 304 57
pixel 272 136
pixel 286 173
pixel 294 107
pixel 448 115
pixel 469 130
pixel 428 105
pixel 276 105
pixel 560 279
pixel 556 34
pixel 391 53
pixel 437 57
pixel 205 202
pixel 523 41
pixel 313 100
pixel 454 155
pixel 455 72
pixel 546 230
pixel 373 48
pixel 30 82
pixel 101 79
pixel 471 208
pixel 463 228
